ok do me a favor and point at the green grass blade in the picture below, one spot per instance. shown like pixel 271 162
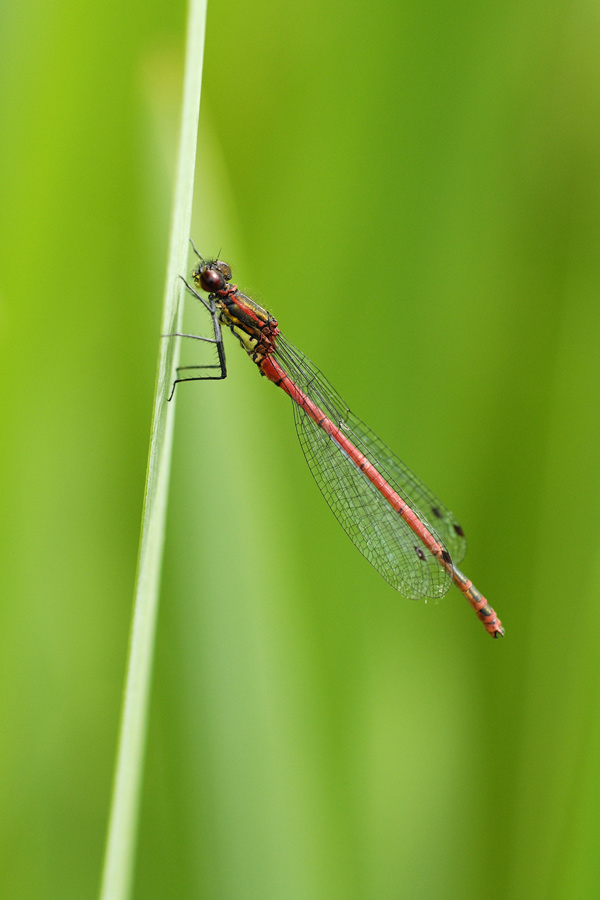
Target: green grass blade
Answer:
pixel 122 829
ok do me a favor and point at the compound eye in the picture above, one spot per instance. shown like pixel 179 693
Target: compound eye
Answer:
pixel 223 269
pixel 210 280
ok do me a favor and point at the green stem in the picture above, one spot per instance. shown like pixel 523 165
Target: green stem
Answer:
pixel 122 830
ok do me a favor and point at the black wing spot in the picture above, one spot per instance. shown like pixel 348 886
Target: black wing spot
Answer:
pixel 446 556
pixel 436 512
pixel 458 530
pixel 419 553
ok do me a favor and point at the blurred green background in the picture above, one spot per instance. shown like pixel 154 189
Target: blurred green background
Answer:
pixel 414 191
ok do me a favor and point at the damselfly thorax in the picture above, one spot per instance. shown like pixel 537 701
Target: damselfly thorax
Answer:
pixel 252 325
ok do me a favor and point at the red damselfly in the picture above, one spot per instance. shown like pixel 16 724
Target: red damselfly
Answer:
pixel 396 522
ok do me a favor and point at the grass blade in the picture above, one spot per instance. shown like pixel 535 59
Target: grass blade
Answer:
pixel 122 830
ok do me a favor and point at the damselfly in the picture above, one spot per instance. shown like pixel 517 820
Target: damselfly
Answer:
pixel 396 522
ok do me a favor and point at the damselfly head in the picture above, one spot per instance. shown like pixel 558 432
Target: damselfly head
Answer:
pixel 211 275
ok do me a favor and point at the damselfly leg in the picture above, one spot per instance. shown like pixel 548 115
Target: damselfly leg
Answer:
pixel 218 340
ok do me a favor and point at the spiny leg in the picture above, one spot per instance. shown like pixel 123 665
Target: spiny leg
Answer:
pixel 218 340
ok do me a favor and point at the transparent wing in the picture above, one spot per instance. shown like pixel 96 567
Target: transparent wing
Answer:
pixel 381 535
pixel 431 509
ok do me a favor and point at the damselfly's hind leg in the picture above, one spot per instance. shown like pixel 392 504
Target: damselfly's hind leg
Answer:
pixel 218 340
pixel 223 374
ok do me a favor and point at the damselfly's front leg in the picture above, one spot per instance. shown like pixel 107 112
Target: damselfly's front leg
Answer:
pixel 218 340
